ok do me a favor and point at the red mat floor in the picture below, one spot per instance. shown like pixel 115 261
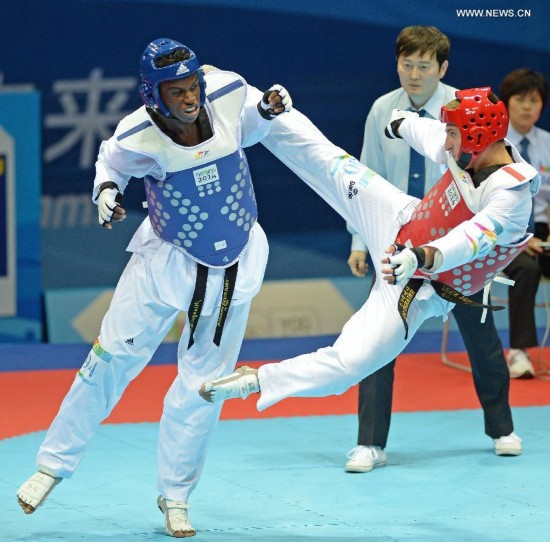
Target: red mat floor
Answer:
pixel 422 383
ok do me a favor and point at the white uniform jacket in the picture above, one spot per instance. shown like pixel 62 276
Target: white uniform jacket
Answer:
pixel 502 204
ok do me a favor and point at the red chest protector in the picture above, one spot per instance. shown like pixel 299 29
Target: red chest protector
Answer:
pixel 441 209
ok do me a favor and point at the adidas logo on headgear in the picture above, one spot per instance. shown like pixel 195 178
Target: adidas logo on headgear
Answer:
pixel 182 69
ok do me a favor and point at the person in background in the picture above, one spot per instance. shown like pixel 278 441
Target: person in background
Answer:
pixel 422 60
pixel 525 92
pixel 200 250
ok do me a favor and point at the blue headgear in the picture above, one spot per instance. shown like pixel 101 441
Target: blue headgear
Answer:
pixel 152 76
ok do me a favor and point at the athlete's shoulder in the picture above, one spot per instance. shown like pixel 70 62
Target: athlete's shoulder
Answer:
pixel 517 172
pixel 222 81
pixel 133 123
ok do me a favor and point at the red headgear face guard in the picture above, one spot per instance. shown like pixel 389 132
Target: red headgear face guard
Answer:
pixel 480 121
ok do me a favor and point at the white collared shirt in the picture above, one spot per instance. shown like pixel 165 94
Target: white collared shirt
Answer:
pixel 539 156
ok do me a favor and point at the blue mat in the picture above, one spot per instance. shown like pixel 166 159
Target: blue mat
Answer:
pixel 283 479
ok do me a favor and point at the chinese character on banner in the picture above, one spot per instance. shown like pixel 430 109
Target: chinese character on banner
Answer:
pixel 92 124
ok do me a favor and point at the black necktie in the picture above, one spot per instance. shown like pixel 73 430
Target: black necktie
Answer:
pixel 524 151
pixel 416 169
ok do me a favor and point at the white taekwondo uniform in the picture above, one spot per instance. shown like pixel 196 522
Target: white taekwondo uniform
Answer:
pixel 202 209
pixel 378 211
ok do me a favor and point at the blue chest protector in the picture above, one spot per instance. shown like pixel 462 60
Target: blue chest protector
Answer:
pixel 205 205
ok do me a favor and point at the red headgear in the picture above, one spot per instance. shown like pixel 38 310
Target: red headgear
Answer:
pixel 480 121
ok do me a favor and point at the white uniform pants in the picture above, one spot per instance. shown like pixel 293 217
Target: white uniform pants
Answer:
pixel 131 331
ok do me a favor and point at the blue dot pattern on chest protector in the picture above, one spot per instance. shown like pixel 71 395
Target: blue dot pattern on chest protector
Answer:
pixel 206 211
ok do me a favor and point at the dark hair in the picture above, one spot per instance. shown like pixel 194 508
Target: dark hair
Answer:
pixel 522 81
pixel 424 39
pixel 179 55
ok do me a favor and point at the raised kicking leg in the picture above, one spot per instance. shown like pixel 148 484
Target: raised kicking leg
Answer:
pixel 371 338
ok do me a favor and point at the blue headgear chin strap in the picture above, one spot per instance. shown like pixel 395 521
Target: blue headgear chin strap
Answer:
pixel 152 76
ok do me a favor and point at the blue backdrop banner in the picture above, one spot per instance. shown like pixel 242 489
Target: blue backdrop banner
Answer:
pixel 20 259
pixel 335 58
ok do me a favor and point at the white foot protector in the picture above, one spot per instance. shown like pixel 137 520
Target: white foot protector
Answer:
pixel 240 383
pixel 34 491
pixel 176 518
